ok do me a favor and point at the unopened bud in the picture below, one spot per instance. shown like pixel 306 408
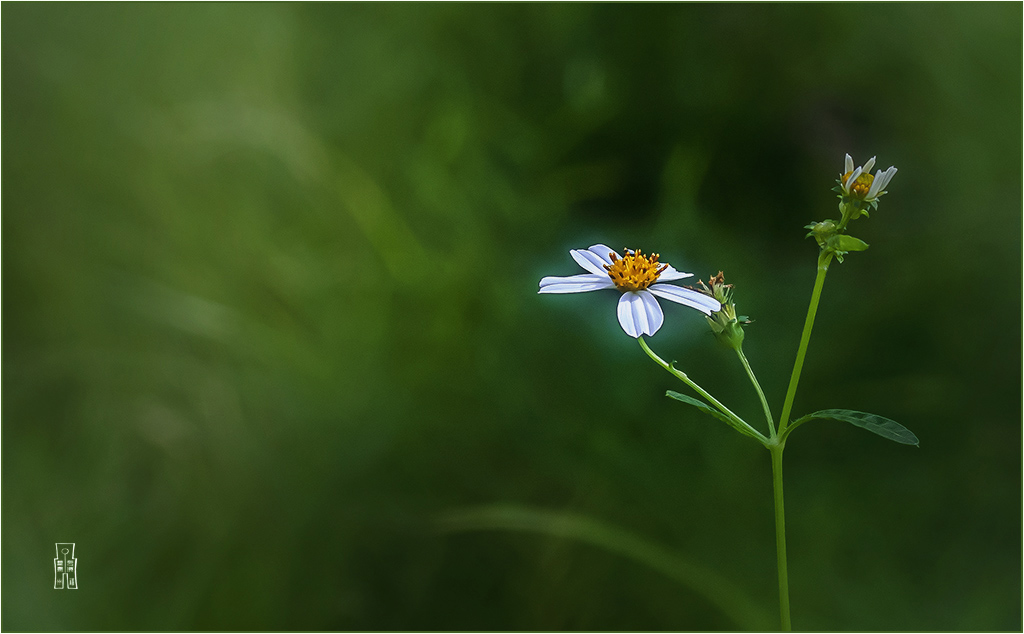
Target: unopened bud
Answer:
pixel 822 231
pixel 726 326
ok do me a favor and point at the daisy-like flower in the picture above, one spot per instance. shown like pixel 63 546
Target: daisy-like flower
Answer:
pixel 860 184
pixel 639 278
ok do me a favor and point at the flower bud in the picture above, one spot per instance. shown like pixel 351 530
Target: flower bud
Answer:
pixel 726 326
pixel 822 231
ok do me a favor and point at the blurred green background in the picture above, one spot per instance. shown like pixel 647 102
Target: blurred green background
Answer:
pixel 271 315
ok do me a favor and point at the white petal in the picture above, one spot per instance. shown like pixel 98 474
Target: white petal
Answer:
pixel 639 313
pixel 655 316
pixel 589 261
pixel 583 277
pixel 575 283
pixel 849 164
pixel 881 180
pixel 869 165
pixel 887 176
pixel 686 297
pixel 853 178
pixel 876 186
pixel 602 252
pixel 671 273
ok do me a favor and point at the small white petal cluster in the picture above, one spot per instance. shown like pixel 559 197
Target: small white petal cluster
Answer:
pixel 881 178
pixel 638 311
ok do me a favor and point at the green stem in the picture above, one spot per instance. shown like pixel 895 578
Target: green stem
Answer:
pixel 711 399
pixel 780 536
pixel 787 407
pixel 760 392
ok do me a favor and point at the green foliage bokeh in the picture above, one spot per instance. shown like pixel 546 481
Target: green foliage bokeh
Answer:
pixel 270 309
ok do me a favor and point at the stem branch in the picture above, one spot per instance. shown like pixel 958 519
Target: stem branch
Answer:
pixel 760 392
pixel 711 399
pixel 812 310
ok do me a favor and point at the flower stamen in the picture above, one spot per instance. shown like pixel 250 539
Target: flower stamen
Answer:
pixel 860 187
pixel 634 271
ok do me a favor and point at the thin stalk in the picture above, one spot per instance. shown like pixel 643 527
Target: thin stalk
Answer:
pixel 760 392
pixel 711 399
pixel 805 338
pixel 780 536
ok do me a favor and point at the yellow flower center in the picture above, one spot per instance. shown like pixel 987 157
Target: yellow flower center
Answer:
pixel 634 271
pixel 860 187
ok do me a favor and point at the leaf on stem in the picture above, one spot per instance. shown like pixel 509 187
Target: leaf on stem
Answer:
pixel 872 422
pixel 707 409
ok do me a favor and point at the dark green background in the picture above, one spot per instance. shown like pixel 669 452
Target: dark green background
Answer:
pixel 270 310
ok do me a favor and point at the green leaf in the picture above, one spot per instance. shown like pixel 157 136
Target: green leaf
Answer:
pixel 849 243
pixel 707 409
pixel 704 407
pixel 872 422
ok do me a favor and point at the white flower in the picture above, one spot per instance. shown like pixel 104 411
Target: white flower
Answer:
pixel 634 275
pixel 859 183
